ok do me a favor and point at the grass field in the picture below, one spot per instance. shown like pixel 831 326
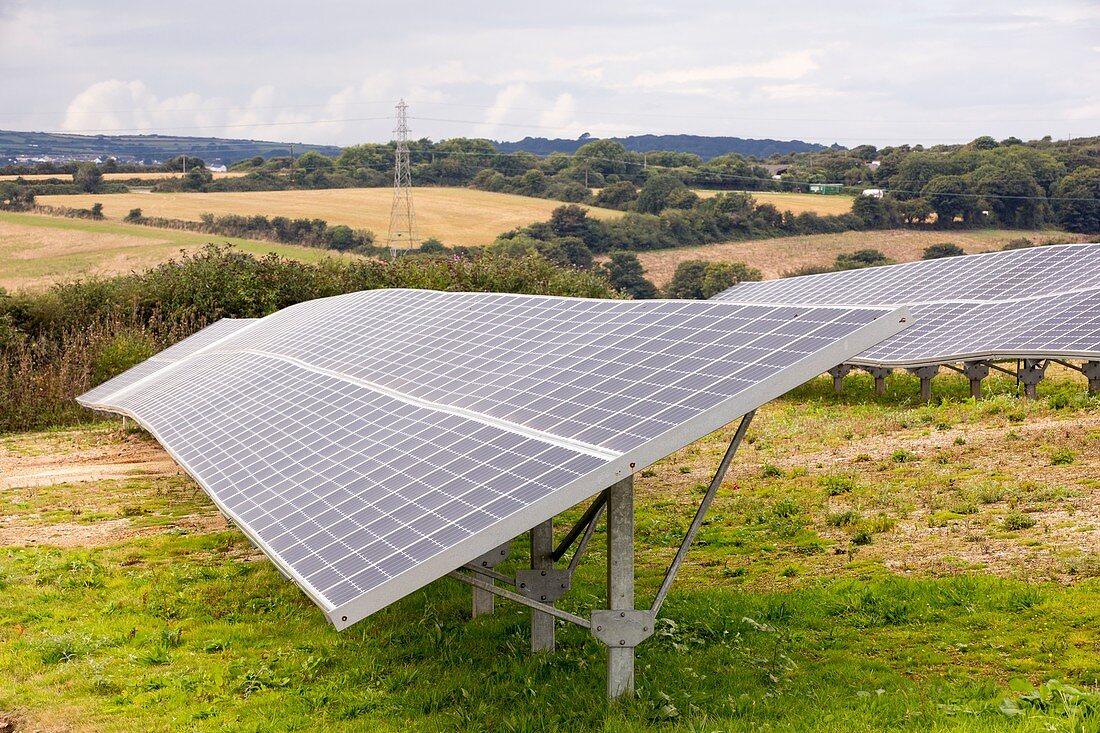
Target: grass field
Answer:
pixel 36 251
pixel 774 257
pixel 796 202
pixel 872 563
pixel 457 216
pixel 150 176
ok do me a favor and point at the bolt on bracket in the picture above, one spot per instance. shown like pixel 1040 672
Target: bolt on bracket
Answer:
pixel 546 585
pixel 622 628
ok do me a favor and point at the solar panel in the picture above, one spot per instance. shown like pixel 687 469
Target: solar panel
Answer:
pixel 1033 303
pixel 194 343
pixel 372 442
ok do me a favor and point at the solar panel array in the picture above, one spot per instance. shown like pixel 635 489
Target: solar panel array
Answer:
pixel 372 442
pixel 1041 302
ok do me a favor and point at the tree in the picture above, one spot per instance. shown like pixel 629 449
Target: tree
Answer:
pixel 943 249
pixel 619 195
pixel 950 197
pixel 341 238
pixel 432 246
pixel 602 156
pixel 575 251
pixel 985 142
pixel 655 193
pixel 914 172
pixel 1077 201
pixel 88 177
pixel 183 162
pixel 314 161
pixel 569 221
pixel 687 281
pixel 876 213
pixel 625 273
pixel 1012 193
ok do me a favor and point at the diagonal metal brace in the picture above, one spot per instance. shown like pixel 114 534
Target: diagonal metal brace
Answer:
pixel 544 607
pixel 588 519
pixel 704 505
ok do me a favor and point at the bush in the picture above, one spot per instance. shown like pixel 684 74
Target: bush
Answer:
pixel 57 344
pixel 699 279
pixel 626 275
pixel 943 249
pixel 1014 521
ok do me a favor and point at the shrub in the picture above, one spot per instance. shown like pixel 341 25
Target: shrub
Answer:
pixel 57 344
pixel 943 249
pixel 1014 521
pixel 838 484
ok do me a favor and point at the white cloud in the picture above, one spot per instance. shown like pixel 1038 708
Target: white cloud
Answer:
pixel 789 66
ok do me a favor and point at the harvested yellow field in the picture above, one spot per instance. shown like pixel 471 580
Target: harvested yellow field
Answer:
pixel 456 216
pixel 151 176
pixel 774 257
pixel 37 251
pixel 796 203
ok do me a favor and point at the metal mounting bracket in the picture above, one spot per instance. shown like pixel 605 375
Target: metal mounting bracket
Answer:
pixel 879 374
pixel 1091 370
pixel 838 373
pixel 546 585
pixel 493 557
pixel 622 628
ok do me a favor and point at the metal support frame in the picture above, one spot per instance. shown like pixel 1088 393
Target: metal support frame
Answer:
pixel 976 371
pixel 620 626
pixel 1091 370
pixel 544 608
pixel 701 513
pixel 880 374
pixel 482 599
pixel 926 374
pixel 542 548
pixel 620 582
pixel 838 373
pixel 1030 372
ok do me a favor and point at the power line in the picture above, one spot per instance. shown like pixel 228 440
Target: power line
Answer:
pixel 698 172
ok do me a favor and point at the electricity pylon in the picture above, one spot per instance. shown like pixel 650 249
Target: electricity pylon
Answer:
pixel 402 234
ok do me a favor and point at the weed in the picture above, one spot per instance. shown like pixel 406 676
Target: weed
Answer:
pixel 771 471
pixel 837 484
pixel 902 456
pixel 1062 457
pixel 843 519
pixel 1018 520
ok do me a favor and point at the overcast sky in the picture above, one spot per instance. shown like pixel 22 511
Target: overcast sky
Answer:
pixel 326 72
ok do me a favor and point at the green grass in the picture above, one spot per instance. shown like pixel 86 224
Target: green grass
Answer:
pixel 179 633
pixel 806 604
pixel 113 247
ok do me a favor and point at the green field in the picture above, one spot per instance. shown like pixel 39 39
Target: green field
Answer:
pixel 36 251
pixel 872 563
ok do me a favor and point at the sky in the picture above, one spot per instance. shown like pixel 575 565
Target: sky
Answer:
pixel 883 73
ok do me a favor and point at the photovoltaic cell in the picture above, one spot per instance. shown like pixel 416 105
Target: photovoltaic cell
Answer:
pixel 195 342
pixel 372 442
pixel 1031 303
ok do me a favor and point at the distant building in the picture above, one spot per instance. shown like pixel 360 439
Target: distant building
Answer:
pixel 776 170
pixel 826 187
pixel 216 168
pixel 872 192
